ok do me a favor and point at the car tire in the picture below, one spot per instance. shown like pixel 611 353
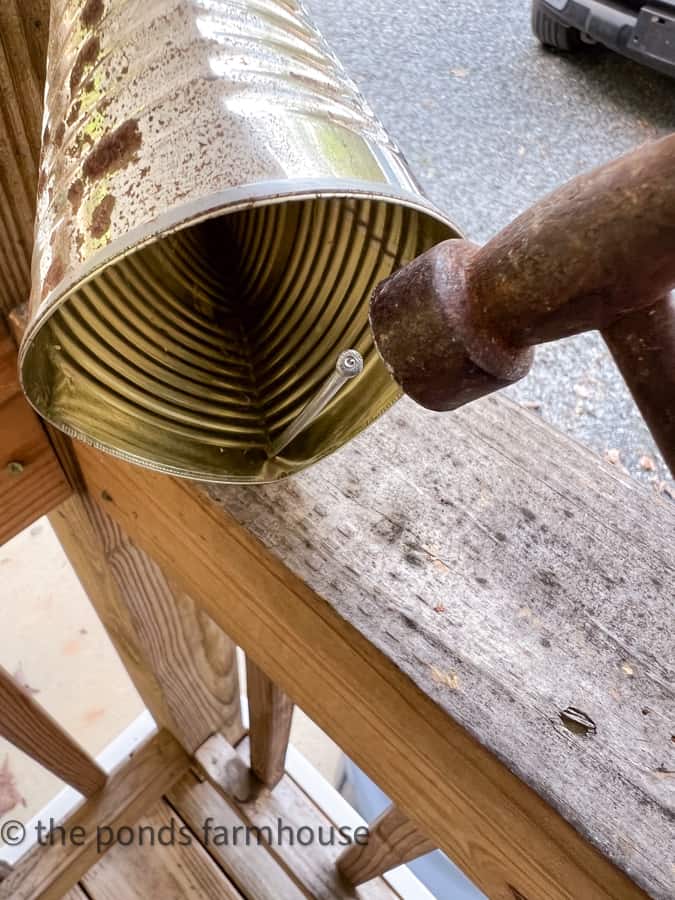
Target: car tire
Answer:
pixel 551 32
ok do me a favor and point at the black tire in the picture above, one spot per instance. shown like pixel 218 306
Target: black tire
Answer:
pixel 551 32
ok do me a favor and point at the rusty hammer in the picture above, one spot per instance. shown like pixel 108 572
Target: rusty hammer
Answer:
pixel 461 321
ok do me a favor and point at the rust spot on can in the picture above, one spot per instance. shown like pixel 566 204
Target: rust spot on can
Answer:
pixel 100 220
pixel 59 134
pixel 75 192
pixel 85 58
pixel 92 12
pixel 54 274
pixel 74 112
pixel 114 151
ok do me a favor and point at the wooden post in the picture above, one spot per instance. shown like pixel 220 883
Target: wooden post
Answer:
pixel 31 480
pixel 26 725
pixel 183 665
pixel 270 713
pixel 393 841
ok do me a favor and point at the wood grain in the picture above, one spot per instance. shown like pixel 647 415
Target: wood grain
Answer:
pixel 270 713
pixel 9 378
pixel 28 726
pixel 250 865
pixel 314 868
pixel 49 871
pixel 393 841
pixel 435 596
pixel 181 662
pixel 75 894
pixel 24 28
pixel 31 480
pixel 165 871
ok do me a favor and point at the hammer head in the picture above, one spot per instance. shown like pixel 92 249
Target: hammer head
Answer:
pixel 432 340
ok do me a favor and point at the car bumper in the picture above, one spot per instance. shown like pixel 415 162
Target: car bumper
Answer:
pixel 647 36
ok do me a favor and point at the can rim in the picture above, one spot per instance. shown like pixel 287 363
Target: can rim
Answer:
pixel 186 215
pixel 230 200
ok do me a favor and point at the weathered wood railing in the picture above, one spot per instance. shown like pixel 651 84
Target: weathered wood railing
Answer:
pixel 435 642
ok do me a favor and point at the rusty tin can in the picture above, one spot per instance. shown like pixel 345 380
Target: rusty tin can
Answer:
pixel 216 204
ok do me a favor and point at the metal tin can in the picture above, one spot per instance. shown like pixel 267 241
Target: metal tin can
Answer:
pixel 216 204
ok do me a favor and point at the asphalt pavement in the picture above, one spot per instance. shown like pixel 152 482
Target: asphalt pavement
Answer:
pixel 489 122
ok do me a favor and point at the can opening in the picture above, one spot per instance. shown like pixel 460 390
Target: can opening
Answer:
pixel 194 352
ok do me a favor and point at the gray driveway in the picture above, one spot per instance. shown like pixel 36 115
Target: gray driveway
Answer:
pixel 489 122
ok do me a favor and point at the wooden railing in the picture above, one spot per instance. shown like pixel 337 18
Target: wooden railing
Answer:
pixel 438 645
pixel 25 724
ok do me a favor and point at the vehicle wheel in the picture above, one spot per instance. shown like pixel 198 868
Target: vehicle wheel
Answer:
pixel 551 32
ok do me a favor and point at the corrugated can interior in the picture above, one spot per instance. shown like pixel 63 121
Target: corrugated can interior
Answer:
pixel 194 352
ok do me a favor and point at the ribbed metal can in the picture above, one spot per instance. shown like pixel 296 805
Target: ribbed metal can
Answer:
pixel 216 204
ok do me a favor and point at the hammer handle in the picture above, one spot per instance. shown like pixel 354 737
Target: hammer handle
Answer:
pixel 595 249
